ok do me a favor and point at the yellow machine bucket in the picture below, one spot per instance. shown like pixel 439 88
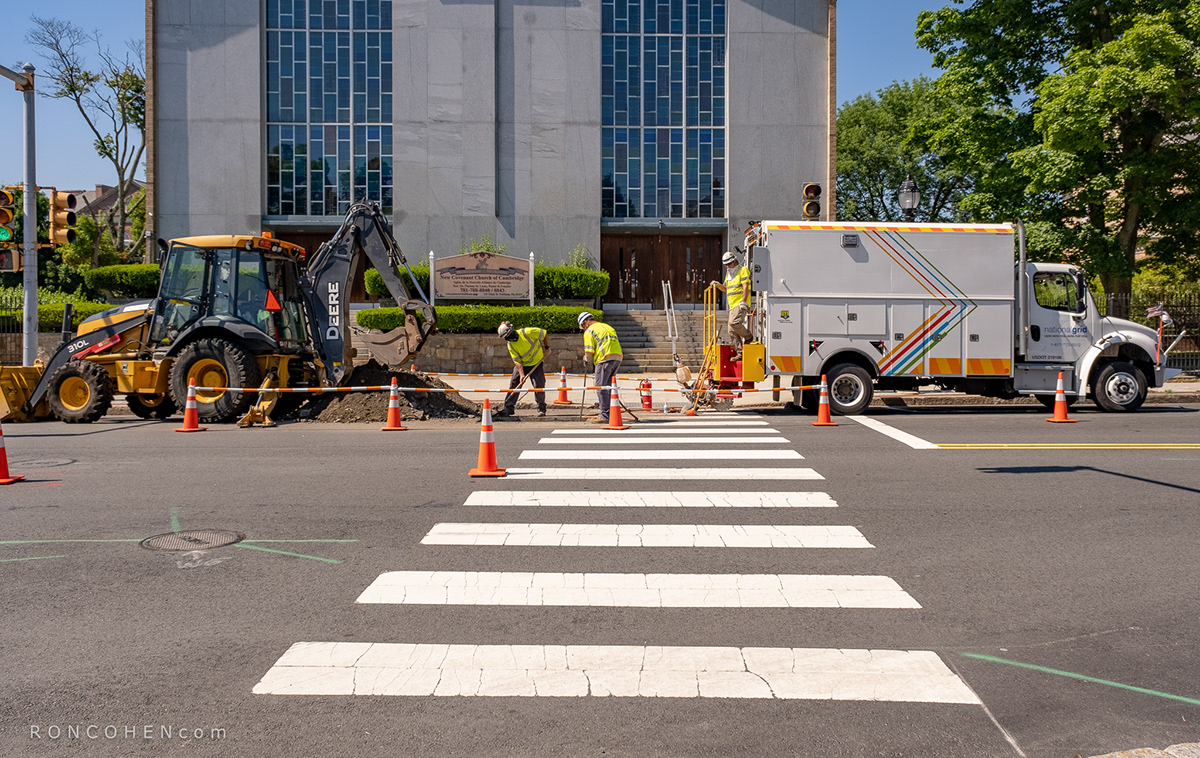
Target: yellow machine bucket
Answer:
pixel 16 387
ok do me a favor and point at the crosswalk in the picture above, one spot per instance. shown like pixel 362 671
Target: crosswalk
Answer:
pixel 541 669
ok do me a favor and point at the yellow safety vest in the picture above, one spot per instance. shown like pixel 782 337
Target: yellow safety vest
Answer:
pixel 733 286
pixel 527 350
pixel 601 339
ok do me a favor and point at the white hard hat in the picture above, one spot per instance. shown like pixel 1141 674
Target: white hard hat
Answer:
pixel 584 318
pixel 504 328
pixel 728 258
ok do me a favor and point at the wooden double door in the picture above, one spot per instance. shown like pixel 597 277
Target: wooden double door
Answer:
pixel 638 264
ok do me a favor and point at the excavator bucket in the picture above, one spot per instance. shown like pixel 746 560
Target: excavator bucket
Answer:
pixel 16 387
pixel 393 348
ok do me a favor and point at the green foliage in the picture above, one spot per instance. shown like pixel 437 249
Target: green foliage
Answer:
pixel 1083 116
pixel 375 286
pixel 549 282
pixel 50 315
pixel 568 283
pixel 89 234
pixel 877 150
pixel 578 257
pixel 136 280
pixel 483 319
pixel 484 244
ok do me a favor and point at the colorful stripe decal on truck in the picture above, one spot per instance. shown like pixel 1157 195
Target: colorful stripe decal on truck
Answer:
pixel 906 356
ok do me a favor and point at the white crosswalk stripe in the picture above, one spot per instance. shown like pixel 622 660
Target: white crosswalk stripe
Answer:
pixel 690 473
pixel 646 535
pixel 428 669
pixel 637 590
pixel 648 499
pixel 364 668
pixel 664 455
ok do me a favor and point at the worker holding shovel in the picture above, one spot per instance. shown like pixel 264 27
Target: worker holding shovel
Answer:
pixel 527 347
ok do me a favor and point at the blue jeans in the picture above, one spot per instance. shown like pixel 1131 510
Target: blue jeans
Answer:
pixel 605 371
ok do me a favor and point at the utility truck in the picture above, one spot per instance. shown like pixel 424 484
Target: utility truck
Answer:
pixel 896 305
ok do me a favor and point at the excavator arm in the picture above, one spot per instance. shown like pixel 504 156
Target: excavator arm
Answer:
pixel 364 236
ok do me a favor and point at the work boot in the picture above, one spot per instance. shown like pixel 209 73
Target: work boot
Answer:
pixel 541 412
pixel 598 420
pixel 502 413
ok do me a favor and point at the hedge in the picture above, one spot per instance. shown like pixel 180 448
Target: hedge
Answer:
pixel 480 319
pixel 50 315
pixel 375 285
pixel 135 280
pixel 549 282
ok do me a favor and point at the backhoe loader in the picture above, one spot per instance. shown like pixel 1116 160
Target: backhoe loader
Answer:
pixel 231 311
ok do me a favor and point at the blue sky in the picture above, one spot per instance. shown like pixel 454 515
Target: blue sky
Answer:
pixel 875 47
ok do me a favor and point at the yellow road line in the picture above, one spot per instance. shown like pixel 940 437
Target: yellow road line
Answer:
pixel 1070 446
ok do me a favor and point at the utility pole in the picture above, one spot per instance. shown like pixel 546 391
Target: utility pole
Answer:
pixel 24 82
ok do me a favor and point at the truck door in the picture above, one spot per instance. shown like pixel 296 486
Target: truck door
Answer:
pixel 1058 329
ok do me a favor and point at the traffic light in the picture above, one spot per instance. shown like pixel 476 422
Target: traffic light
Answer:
pixel 62 218
pixel 8 212
pixel 812 201
pixel 10 260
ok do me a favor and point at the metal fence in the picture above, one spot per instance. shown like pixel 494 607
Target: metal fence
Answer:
pixel 1184 310
pixel 11 310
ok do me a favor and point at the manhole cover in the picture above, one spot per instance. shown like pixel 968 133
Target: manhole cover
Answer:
pixel 192 539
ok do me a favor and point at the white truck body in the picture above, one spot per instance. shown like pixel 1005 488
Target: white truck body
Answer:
pixel 937 303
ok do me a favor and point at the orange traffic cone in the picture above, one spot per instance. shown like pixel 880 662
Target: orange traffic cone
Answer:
pixel 191 419
pixel 393 419
pixel 562 389
pixel 824 418
pixel 1060 404
pixel 5 477
pixel 487 446
pixel 614 410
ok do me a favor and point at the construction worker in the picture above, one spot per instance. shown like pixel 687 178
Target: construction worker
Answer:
pixel 527 347
pixel 737 287
pixel 600 344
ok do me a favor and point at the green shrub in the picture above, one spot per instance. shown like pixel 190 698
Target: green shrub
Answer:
pixel 568 283
pixel 45 295
pixel 481 319
pixel 50 315
pixel 549 282
pixel 375 286
pixel 136 280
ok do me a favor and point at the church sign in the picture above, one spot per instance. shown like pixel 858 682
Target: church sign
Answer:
pixel 482 276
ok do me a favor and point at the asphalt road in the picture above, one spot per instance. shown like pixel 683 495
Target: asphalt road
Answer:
pixel 1058 585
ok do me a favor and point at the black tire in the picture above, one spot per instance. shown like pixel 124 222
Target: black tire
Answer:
pixel 152 406
pixel 1120 387
pixel 80 392
pixel 224 364
pixel 850 389
pixel 806 400
pixel 1048 400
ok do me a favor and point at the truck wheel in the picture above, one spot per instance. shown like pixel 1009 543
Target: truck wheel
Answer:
pixel 152 406
pixel 215 363
pixel 80 392
pixel 1120 387
pixel 806 399
pixel 850 389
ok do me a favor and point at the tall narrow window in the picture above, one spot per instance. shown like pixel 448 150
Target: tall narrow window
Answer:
pixel 662 103
pixel 329 105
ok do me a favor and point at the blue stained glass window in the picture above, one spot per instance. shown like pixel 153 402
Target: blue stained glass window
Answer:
pixel 329 105
pixel 663 69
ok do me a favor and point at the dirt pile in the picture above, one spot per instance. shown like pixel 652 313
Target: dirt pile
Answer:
pixel 373 406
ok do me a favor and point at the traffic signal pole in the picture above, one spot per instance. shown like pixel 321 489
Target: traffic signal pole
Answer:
pixel 24 82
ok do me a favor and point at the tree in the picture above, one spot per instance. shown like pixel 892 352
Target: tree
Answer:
pixel 112 100
pixel 1086 113
pixel 877 150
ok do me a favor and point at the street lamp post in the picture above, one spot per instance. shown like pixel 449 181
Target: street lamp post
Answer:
pixel 24 82
pixel 909 197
